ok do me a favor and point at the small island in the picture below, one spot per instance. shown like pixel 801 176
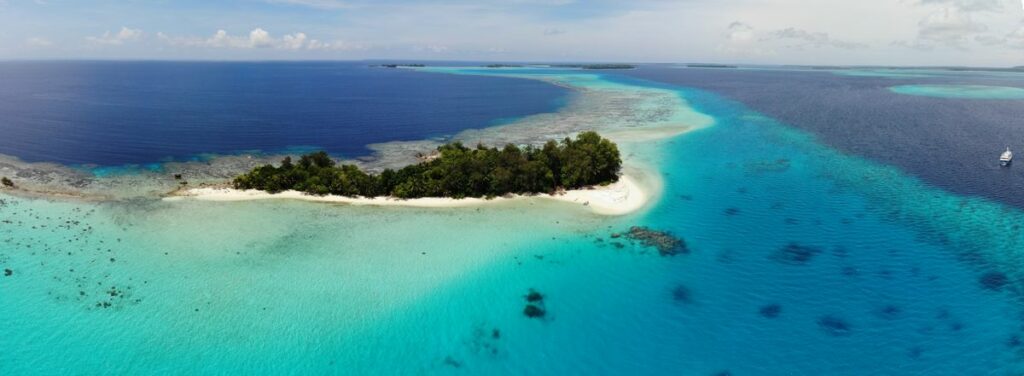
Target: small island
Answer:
pixel 455 172
pixel 402 65
pixel 704 65
pixel 595 66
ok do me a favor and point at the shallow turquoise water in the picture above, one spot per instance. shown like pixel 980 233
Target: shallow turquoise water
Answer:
pixel 889 282
pixel 961 91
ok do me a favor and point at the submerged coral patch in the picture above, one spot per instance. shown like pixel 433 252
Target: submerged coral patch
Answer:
pixel 834 326
pixel 664 241
pixel 778 165
pixel 533 296
pixel 889 312
pixel 533 311
pixel 682 294
pixel 795 254
pixel 993 280
pixel 535 305
pixel 770 311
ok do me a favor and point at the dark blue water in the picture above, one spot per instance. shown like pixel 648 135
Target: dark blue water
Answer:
pixel 951 143
pixel 115 113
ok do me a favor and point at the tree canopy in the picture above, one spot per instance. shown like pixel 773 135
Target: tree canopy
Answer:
pixel 458 171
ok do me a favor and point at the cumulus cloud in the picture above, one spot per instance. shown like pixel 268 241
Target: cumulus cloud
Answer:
pixel 960 24
pixel 553 31
pixel 1016 38
pixel 432 48
pixel 38 42
pixel 969 5
pixel 257 38
pixel 125 35
pixel 950 26
pixel 739 32
pixel 803 38
pixel 318 4
pixel 742 39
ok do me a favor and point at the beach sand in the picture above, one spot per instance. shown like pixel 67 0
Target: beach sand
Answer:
pixel 628 195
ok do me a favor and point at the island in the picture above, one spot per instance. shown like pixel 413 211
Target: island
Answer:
pixel 703 65
pixel 403 65
pixel 595 66
pixel 456 171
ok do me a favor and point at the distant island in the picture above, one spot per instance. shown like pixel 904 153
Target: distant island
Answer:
pixel 595 66
pixel 503 66
pixel 701 65
pixel 455 172
pixel 402 65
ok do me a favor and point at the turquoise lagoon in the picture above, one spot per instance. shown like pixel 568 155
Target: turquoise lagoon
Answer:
pixel 961 91
pixel 802 261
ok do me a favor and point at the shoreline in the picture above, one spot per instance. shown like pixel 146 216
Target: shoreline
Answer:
pixel 627 195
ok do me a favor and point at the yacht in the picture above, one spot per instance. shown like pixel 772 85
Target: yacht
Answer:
pixel 1006 158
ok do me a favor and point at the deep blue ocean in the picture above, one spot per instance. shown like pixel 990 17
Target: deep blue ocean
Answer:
pixel 118 113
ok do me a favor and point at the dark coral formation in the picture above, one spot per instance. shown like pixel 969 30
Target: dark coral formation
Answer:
pixel 770 311
pixel 451 362
pixel 533 296
pixel 795 254
pixel 535 305
pixel 534 312
pixel 85 280
pixel 835 326
pixel 1014 341
pixel 664 241
pixel 778 165
pixel 889 312
pixel 994 280
pixel 682 294
pixel 485 340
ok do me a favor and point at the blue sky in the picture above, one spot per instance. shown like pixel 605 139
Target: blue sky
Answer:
pixel 897 32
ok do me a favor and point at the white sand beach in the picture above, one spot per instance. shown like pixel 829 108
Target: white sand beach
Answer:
pixel 625 196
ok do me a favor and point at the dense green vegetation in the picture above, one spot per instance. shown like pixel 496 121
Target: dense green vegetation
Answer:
pixel 457 171
pixel 402 65
pixel 6 182
pixel 595 66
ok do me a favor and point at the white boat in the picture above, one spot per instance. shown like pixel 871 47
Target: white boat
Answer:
pixel 1006 158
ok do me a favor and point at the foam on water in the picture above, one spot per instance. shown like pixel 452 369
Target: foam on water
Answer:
pixel 802 261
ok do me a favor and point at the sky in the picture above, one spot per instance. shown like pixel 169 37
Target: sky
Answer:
pixel 808 32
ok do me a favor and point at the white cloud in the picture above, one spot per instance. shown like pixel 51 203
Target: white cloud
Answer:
pixel 804 38
pixel 1016 38
pixel 258 38
pixel 293 41
pixel 125 35
pixel 969 5
pixel 742 39
pixel 553 31
pixel 319 4
pixel 739 32
pixel 949 26
pixel 432 48
pixel 38 42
